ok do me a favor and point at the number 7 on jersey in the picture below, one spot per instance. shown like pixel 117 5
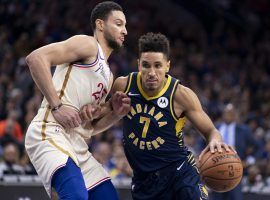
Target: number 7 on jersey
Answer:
pixel 146 122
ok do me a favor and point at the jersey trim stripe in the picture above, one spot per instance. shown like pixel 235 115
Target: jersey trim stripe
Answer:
pixel 65 82
pixel 164 89
pixel 86 65
pixel 128 83
pixel 99 182
pixel 43 127
pixel 171 101
pixel 61 149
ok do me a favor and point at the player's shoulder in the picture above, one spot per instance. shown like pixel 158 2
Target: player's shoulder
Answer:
pixel 84 42
pixel 84 38
pixel 120 84
pixel 184 95
pixel 183 91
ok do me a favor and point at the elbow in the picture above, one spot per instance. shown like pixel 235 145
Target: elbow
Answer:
pixel 31 59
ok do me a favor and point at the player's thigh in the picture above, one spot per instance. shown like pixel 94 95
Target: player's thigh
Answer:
pixel 104 191
pixel 188 185
pixel 68 182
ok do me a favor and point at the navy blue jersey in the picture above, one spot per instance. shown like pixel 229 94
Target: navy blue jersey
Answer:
pixel 153 136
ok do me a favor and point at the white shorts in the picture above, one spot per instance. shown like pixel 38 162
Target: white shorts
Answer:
pixel 50 152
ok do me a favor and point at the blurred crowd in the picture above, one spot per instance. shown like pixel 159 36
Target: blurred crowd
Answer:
pixel 220 49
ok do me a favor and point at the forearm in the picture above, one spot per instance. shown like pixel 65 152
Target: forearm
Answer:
pixel 105 122
pixel 40 71
pixel 213 135
pixel 105 109
pixel 204 124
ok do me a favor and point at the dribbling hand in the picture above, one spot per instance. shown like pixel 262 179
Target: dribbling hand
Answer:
pixel 216 146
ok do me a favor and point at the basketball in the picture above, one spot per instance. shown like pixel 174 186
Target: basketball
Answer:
pixel 221 172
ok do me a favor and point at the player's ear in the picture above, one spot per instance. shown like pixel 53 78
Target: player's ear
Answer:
pixel 99 24
pixel 168 66
pixel 139 66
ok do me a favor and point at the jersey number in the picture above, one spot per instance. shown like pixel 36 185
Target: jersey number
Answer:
pixel 146 122
pixel 98 95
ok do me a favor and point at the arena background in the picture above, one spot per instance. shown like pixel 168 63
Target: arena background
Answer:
pixel 219 48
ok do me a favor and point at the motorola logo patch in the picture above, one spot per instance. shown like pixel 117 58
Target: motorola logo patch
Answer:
pixel 162 102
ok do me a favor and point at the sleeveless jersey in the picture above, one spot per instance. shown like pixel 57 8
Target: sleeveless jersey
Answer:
pixel 153 136
pixel 76 86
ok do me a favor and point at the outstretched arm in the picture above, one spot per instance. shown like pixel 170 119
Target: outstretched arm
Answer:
pixel 41 60
pixel 190 105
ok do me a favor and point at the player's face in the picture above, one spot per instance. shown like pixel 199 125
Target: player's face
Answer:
pixel 153 67
pixel 115 29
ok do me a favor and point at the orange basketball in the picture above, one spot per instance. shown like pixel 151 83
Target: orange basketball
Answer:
pixel 221 172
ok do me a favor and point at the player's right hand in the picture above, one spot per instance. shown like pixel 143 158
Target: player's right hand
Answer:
pixel 67 117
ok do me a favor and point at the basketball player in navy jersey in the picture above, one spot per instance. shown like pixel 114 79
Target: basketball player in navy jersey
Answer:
pixel 153 138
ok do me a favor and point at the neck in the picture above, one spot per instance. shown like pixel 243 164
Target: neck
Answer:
pixel 151 93
pixel 105 48
pixel 155 92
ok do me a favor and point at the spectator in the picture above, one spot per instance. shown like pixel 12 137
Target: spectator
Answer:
pixel 10 165
pixel 253 182
pixel 11 128
pixel 120 167
pixel 102 152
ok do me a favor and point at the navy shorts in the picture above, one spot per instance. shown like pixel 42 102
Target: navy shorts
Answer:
pixel 178 181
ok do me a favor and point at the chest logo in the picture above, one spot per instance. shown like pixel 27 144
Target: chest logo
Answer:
pixel 162 102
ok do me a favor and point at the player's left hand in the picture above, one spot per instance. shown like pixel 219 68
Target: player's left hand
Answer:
pixel 90 112
pixel 120 104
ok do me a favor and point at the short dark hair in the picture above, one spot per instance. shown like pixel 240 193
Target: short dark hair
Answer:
pixel 102 11
pixel 154 42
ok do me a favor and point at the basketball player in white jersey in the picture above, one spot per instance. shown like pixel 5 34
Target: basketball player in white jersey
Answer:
pixel 55 138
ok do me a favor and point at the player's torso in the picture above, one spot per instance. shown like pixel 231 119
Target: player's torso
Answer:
pixel 152 132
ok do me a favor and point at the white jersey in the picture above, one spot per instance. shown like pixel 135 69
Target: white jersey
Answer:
pixel 79 84
pixel 47 143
